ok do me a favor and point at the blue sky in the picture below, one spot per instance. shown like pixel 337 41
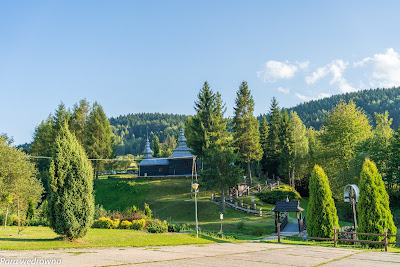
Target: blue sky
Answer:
pixel 154 56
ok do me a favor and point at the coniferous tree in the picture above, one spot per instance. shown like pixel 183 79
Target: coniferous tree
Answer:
pixel 99 138
pixel 196 127
pixel 286 147
pixel 71 200
pixel 78 120
pixel 273 151
pixel 374 213
pixel 245 126
pixel 321 211
pixel 263 141
pixel 219 155
pixel 156 147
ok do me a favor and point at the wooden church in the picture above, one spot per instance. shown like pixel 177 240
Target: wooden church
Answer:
pixel 179 163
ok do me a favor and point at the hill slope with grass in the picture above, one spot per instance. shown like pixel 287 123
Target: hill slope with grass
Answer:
pixel 169 199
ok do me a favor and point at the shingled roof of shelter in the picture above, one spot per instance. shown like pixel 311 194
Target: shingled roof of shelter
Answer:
pixel 282 206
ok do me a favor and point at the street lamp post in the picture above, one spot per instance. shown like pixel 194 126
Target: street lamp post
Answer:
pixel 221 216
pixel 195 187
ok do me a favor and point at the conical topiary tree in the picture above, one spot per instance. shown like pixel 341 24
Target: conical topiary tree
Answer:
pixel 321 212
pixel 71 201
pixel 374 213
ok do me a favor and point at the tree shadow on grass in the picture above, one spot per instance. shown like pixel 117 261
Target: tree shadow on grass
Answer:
pixel 214 239
pixel 31 239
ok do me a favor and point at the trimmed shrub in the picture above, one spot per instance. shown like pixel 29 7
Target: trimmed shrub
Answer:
pixel 125 224
pixel 279 194
pixel 156 226
pixel 374 213
pixel 71 199
pixel 174 228
pixel 103 223
pixel 138 224
pixel 321 212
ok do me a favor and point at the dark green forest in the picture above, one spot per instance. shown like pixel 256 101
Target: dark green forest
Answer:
pixel 131 130
pixel 314 112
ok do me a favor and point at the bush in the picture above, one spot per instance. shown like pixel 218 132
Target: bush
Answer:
pixel 115 223
pixel 147 211
pixel 174 228
pixel 156 226
pixel 279 194
pixel 125 224
pixel 99 212
pixel 3 217
pixel 14 219
pixel 103 223
pixel 138 224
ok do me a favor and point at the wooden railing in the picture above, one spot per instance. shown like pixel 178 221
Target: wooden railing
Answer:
pixel 245 208
pixel 335 238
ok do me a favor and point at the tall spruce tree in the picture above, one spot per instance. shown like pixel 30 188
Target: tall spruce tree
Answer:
pixel 273 151
pixel 286 147
pixel 71 200
pixel 219 154
pixel 321 211
pixel 374 213
pixel 196 127
pixel 245 126
pixel 99 138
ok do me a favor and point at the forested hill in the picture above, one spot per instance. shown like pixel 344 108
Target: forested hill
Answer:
pixel 131 130
pixel 378 100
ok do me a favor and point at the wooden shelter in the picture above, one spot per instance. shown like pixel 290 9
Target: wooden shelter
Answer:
pixel 288 206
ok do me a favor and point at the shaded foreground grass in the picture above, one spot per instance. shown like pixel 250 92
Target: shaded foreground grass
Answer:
pixel 45 238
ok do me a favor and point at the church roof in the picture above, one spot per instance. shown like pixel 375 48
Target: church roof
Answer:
pixel 147 150
pixel 282 206
pixel 154 161
pixel 182 150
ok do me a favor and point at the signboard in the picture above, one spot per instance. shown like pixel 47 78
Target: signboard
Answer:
pixel 221 216
pixel 252 199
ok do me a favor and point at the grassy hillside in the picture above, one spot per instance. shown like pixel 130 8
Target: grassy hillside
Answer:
pixel 170 200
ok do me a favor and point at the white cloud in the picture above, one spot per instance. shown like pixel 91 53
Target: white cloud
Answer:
pixel 307 98
pixel 336 69
pixel 283 90
pixel 386 68
pixel 274 70
pixel 316 75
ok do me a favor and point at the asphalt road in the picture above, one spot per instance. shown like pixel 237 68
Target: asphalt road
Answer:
pixel 226 254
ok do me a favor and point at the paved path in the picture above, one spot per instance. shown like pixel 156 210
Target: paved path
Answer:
pixel 226 254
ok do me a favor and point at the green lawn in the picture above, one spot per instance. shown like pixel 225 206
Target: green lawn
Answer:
pixel 170 200
pixel 45 238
